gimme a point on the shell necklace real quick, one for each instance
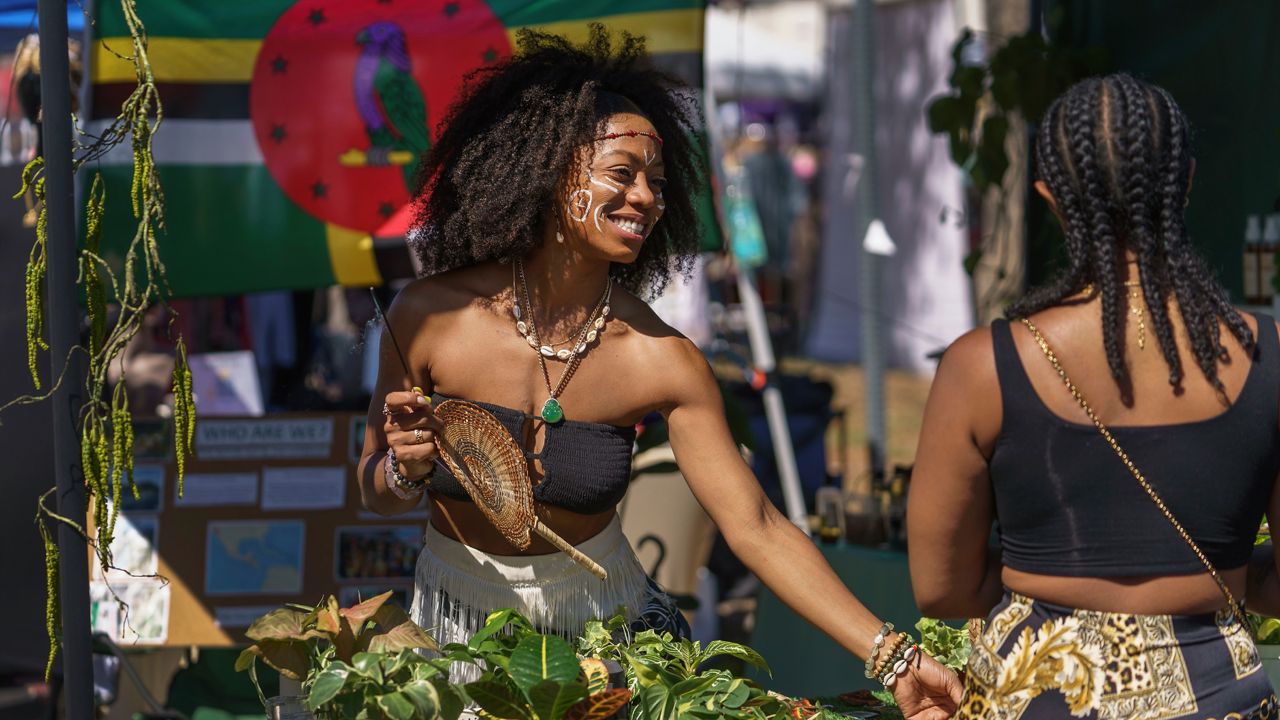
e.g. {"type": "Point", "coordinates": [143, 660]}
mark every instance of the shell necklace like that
{"type": "Point", "coordinates": [552, 412]}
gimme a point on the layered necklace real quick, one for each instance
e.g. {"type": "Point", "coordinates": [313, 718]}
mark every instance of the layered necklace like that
{"type": "Point", "coordinates": [578, 342]}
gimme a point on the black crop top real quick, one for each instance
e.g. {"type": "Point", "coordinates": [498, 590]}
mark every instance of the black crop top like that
{"type": "Point", "coordinates": [1066, 505]}
{"type": "Point", "coordinates": [586, 466]}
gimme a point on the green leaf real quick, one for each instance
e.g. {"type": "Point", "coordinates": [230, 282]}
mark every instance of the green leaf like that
{"type": "Point", "coordinates": [543, 657]}
{"type": "Point", "coordinates": [946, 115]}
{"type": "Point", "coordinates": [369, 665]}
{"type": "Point", "coordinates": [737, 693]}
{"type": "Point", "coordinates": [281, 624]}
{"type": "Point", "coordinates": [396, 706]}
{"type": "Point", "coordinates": [497, 622]}
{"type": "Point", "coordinates": [451, 702]}
{"type": "Point", "coordinates": [551, 700]}
{"type": "Point", "coordinates": [716, 648]}
{"type": "Point", "coordinates": [693, 686]}
{"type": "Point", "coordinates": [328, 684]}
{"type": "Point", "coordinates": [289, 657]}
{"type": "Point", "coordinates": [423, 697]}
{"type": "Point", "coordinates": [246, 658]}
{"type": "Point", "coordinates": [648, 672]}
{"type": "Point", "coordinates": [657, 703]}
{"type": "Point", "coordinates": [497, 700]}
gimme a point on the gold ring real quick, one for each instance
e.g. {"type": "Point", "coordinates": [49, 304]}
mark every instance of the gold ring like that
{"type": "Point", "coordinates": [417, 436]}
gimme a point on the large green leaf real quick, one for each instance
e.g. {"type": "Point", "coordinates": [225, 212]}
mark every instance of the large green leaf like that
{"type": "Point", "coordinates": [289, 657]}
{"type": "Point", "coordinates": [716, 648]}
{"type": "Point", "coordinates": [649, 671]}
{"type": "Point", "coordinates": [551, 700]}
{"type": "Point", "coordinates": [497, 700]}
{"type": "Point", "coordinates": [657, 703]}
{"type": "Point", "coordinates": [425, 699]}
{"type": "Point", "coordinates": [542, 657]}
{"type": "Point", "coordinates": [396, 706]}
{"type": "Point", "coordinates": [451, 703]}
{"type": "Point", "coordinates": [497, 621]}
{"type": "Point", "coordinates": [281, 624]}
{"type": "Point", "coordinates": [328, 684]}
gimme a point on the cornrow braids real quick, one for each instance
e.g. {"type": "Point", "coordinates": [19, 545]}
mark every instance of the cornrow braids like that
{"type": "Point", "coordinates": [1115, 153]}
{"type": "Point", "coordinates": [507, 146]}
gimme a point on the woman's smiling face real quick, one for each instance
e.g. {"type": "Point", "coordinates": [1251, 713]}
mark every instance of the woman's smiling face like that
{"type": "Point", "coordinates": [616, 199]}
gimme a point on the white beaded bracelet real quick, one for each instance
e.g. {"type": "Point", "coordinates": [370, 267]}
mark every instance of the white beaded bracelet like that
{"type": "Point", "coordinates": [399, 485]}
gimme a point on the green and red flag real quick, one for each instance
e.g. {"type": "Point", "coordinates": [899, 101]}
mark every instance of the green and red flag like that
{"type": "Point", "coordinates": [292, 128]}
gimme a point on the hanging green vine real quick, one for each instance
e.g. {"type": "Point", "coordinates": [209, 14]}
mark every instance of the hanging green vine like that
{"type": "Point", "coordinates": [131, 289]}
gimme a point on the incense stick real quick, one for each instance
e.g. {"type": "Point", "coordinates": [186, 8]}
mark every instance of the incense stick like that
{"type": "Point", "coordinates": [386, 327]}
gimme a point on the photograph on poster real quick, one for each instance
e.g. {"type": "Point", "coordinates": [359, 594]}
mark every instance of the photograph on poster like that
{"type": "Point", "coordinates": [131, 612]}
{"type": "Point", "coordinates": [149, 479]}
{"type": "Point", "coordinates": [354, 594]}
{"type": "Point", "coordinates": [369, 552]}
{"type": "Point", "coordinates": [254, 557]}
{"type": "Point", "coordinates": [133, 548]}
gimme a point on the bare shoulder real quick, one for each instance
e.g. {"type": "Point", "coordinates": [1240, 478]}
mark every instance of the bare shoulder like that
{"type": "Point", "coordinates": [661, 353]}
{"type": "Point", "coordinates": [446, 291]}
{"type": "Point", "coordinates": [971, 358]}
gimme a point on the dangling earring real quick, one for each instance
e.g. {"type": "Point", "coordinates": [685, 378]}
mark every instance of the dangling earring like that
{"type": "Point", "coordinates": [559, 237]}
{"type": "Point", "coordinates": [1135, 309]}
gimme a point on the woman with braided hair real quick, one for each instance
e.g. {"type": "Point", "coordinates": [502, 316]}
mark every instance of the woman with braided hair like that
{"type": "Point", "coordinates": [1122, 432]}
{"type": "Point", "coordinates": [557, 194]}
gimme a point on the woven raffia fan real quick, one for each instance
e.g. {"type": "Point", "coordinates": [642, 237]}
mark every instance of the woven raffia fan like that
{"type": "Point", "coordinates": [490, 466]}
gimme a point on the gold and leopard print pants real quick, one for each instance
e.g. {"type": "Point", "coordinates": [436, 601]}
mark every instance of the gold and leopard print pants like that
{"type": "Point", "coordinates": [1037, 661]}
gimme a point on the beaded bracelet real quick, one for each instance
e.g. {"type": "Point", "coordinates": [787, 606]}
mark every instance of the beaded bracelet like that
{"type": "Point", "coordinates": [399, 485]}
{"type": "Point", "coordinates": [898, 663]}
{"type": "Point", "coordinates": [875, 648]}
{"type": "Point", "coordinates": [886, 659]}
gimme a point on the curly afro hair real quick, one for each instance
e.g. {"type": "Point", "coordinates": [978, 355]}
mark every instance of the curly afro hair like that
{"type": "Point", "coordinates": [1116, 154]}
{"type": "Point", "coordinates": [510, 142]}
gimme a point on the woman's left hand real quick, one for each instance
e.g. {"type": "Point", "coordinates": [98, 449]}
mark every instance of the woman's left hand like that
{"type": "Point", "coordinates": [928, 690]}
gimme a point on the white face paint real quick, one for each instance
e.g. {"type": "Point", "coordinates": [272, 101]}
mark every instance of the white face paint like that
{"type": "Point", "coordinates": [580, 202]}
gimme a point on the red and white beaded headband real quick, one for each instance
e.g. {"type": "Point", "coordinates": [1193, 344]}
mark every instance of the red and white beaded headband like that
{"type": "Point", "coordinates": [630, 133]}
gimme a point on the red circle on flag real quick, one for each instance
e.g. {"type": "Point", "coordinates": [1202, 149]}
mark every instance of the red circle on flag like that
{"type": "Point", "coordinates": [346, 96]}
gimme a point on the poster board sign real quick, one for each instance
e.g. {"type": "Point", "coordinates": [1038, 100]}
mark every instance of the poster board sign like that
{"type": "Point", "coordinates": [270, 513]}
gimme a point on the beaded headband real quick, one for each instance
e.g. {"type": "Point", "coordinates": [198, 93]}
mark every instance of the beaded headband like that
{"type": "Point", "coordinates": [630, 133]}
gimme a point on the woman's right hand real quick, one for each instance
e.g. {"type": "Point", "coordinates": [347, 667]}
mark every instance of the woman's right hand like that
{"type": "Point", "coordinates": [928, 690]}
{"type": "Point", "coordinates": [411, 429]}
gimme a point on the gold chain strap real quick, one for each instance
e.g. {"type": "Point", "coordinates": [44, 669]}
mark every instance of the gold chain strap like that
{"type": "Point", "coordinates": [1124, 457]}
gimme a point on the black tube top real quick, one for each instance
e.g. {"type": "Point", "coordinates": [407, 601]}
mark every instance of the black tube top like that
{"type": "Point", "coordinates": [1066, 505]}
{"type": "Point", "coordinates": [586, 466]}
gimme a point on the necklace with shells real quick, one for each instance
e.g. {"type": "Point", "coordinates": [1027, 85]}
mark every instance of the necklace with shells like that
{"type": "Point", "coordinates": [586, 336]}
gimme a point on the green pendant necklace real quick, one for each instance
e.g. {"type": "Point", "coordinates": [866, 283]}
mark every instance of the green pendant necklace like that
{"type": "Point", "coordinates": [591, 331]}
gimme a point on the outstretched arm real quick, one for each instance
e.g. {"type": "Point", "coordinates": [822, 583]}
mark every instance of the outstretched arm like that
{"type": "Point", "coordinates": [782, 556]}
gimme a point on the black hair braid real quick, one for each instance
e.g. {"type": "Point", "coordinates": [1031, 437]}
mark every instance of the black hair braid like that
{"type": "Point", "coordinates": [1116, 156]}
{"type": "Point", "coordinates": [1142, 141]}
{"type": "Point", "coordinates": [1074, 278]}
{"type": "Point", "coordinates": [507, 145]}
{"type": "Point", "coordinates": [1089, 133]}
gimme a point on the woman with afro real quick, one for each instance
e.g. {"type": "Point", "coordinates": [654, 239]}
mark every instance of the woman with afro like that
{"type": "Point", "coordinates": [556, 197]}
{"type": "Point", "coordinates": [1122, 429]}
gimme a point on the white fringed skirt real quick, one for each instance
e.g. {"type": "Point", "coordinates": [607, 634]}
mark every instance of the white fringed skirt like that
{"type": "Point", "coordinates": [457, 586]}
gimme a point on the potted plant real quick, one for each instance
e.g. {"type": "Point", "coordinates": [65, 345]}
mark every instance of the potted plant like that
{"type": "Point", "coordinates": [352, 662]}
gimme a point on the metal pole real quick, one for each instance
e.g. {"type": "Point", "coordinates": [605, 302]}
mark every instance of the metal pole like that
{"type": "Point", "coordinates": [870, 270]}
{"type": "Point", "coordinates": [63, 320]}
{"type": "Point", "coordinates": [774, 410]}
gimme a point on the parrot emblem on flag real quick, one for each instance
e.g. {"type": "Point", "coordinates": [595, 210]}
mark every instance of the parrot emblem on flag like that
{"type": "Point", "coordinates": [389, 101]}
